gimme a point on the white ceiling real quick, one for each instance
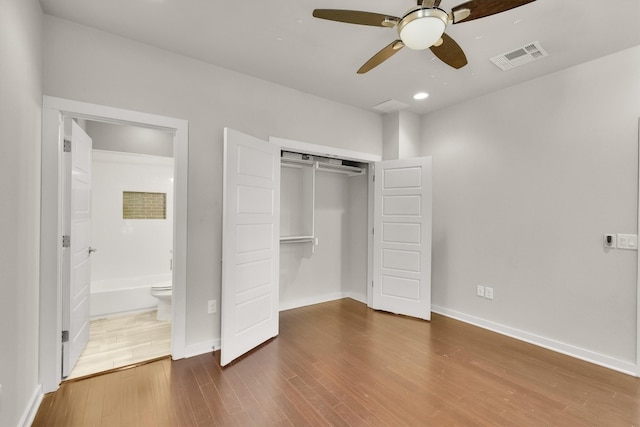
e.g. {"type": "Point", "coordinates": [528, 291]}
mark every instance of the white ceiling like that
{"type": "Point", "coordinates": [280, 41]}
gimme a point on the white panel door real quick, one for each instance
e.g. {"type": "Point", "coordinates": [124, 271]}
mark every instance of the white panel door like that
{"type": "Point", "coordinates": [402, 237]}
{"type": "Point", "coordinates": [75, 318]}
{"type": "Point", "coordinates": [250, 244]}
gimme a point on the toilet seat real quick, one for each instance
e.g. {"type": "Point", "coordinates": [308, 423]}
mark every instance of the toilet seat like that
{"type": "Point", "coordinates": [161, 286]}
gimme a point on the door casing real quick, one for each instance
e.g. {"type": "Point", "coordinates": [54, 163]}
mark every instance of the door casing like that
{"type": "Point", "coordinates": [50, 324]}
{"type": "Point", "coordinates": [370, 160]}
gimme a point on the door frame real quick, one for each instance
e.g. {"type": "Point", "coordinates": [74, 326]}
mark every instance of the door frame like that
{"type": "Point", "coordinates": [370, 160]}
{"type": "Point", "coordinates": [50, 322]}
{"type": "Point", "coordinates": [637, 372]}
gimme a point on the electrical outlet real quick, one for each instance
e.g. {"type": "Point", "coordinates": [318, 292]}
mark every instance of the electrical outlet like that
{"type": "Point", "coordinates": [211, 306]}
{"type": "Point", "coordinates": [480, 290]}
{"type": "Point", "coordinates": [488, 292]}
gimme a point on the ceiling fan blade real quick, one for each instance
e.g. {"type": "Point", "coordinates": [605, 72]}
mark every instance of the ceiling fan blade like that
{"type": "Point", "coordinates": [377, 59]}
{"type": "Point", "coordinates": [450, 52]}
{"type": "Point", "coordinates": [356, 17]}
{"type": "Point", "coordinates": [482, 8]}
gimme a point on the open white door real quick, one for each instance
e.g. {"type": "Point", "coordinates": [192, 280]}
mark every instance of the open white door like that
{"type": "Point", "coordinates": [250, 244]}
{"type": "Point", "coordinates": [402, 237]}
{"type": "Point", "coordinates": [77, 266]}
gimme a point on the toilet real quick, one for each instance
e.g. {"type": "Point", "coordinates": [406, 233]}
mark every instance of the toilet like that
{"type": "Point", "coordinates": [162, 291]}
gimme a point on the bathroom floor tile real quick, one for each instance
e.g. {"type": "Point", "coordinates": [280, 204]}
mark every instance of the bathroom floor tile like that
{"type": "Point", "coordinates": [120, 341]}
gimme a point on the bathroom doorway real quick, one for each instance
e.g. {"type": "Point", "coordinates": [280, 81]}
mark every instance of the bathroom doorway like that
{"type": "Point", "coordinates": [132, 243]}
{"type": "Point", "coordinates": [52, 254]}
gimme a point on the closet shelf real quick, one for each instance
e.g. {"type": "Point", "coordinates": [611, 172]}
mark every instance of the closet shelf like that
{"type": "Point", "coordinates": [322, 166]}
{"type": "Point", "coordinates": [330, 167]}
{"type": "Point", "coordinates": [297, 239]}
{"type": "Point", "coordinates": [295, 163]}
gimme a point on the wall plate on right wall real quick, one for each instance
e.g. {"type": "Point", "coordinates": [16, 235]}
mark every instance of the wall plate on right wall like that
{"type": "Point", "coordinates": [627, 241]}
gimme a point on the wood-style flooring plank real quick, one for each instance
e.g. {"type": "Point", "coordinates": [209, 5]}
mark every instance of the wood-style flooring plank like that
{"type": "Point", "coordinates": [95, 398]}
{"type": "Point", "coordinates": [342, 364]}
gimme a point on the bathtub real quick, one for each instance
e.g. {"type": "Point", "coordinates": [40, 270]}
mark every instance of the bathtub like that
{"type": "Point", "coordinates": [122, 295]}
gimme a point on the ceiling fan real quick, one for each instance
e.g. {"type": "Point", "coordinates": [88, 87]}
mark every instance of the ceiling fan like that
{"type": "Point", "coordinates": [422, 27]}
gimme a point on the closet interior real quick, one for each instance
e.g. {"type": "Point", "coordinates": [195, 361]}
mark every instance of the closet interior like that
{"type": "Point", "coordinates": [323, 227]}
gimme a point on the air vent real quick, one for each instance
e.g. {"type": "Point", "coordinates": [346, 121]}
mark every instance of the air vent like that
{"type": "Point", "coordinates": [520, 56]}
{"type": "Point", "coordinates": [390, 106]}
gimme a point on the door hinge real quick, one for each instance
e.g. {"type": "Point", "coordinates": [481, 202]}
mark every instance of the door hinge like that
{"type": "Point", "coordinates": [373, 231]}
{"type": "Point", "coordinates": [372, 283]}
{"type": "Point", "coordinates": [66, 146]}
{"type": "Point", "coordinates": [65, 336]}
{"type": "Point", "coordinates": [374, 177]}
{"type": "Point", "coordinates": [66, 241]}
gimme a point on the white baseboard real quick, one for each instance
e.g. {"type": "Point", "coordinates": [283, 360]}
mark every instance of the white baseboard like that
{"type": "Point", "coordinates": [358, 297]}
{"type": "Point", "coordinates": [208, 346]}
{"type": "Point", "coordinates": [32, 407]}
{"type": "Point", "coordinates": [202, 348]}
{"type": "Point", "coordinates": [550, 344]}
{"type": "Point", "coordinates": [303, 302]}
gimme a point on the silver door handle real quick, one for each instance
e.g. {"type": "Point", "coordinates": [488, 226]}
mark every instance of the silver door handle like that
{"type": "Point", "coordinates": [91, 250]}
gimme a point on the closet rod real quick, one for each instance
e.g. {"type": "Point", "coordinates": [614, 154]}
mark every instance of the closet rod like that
{"type": "Point", "coordinates": [297, 239]}
{"type": "Point", "coordinates": [349, 170]}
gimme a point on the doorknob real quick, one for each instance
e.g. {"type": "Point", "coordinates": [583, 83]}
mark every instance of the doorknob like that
{"type": "Point", "coordinates": [91, 250]}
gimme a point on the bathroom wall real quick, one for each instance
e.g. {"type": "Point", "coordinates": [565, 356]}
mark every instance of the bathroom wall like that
{"type": "Point", "coordinates": [129, 247]}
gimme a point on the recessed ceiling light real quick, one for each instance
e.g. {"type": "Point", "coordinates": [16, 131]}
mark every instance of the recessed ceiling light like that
{"type": "Point", "coordinates": [420, 95]}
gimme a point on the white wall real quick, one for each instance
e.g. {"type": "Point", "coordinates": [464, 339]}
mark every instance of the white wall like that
{"type": "Point", "coordinates": [526, 181]}
{"type": "Point", "coordinates": [355, 241]}
{"type": "Point", "coordinates": [409, 135]}
{"type": "Point", "coordinates": [391, 136]}
{"type": "Point", "coordinates": [337, 266]}
{"type": "Point", "coordinates": [400, 135]}
{"type": "Point", "coordinates": [129, 139]}
{"type": "Point", "coordinates": [117, 72]}
{"type": "Point", "coordinates": [129, 247]}
{"type": "Point", "coordinates": [20, 121]}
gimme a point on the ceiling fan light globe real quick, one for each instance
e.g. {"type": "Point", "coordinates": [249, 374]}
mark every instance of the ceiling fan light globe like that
{"type": "Point", "coordinates": [422, 28]}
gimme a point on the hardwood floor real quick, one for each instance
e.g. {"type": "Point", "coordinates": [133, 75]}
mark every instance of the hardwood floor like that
{"type": "Point", "coordinates": [340, 363]}
{"type": "Point", "coordinates": [121, 341]}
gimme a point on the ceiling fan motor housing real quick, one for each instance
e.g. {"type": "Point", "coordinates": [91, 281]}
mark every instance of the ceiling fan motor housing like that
{"type": "Point", "coordinates": [421, 28]}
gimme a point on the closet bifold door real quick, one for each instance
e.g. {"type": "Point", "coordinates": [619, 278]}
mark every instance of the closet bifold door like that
{"type": "Point", "coordinates": [250, 244]}
{"type": "Point", "coordinates": [402, 237]}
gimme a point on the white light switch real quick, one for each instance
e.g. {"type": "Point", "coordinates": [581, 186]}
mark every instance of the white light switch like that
{"type": "Point", "coordinates": [627, 241]}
